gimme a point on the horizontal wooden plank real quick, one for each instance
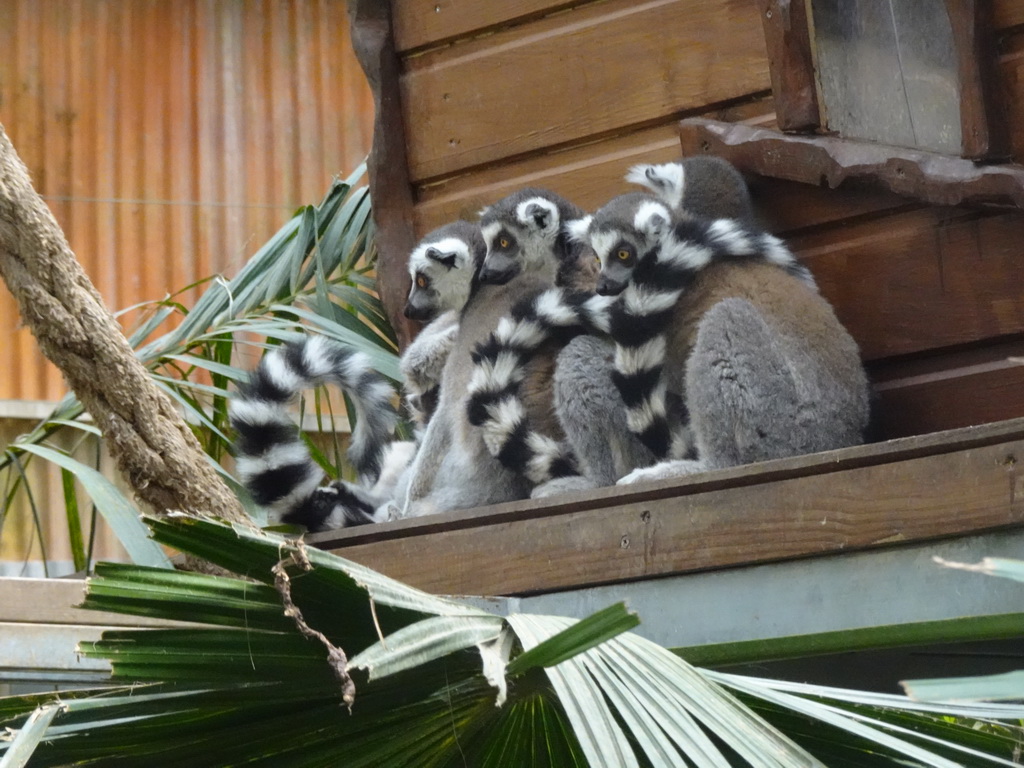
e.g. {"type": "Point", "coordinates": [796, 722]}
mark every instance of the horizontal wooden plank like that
{"type": "Point", "coordinates": [591, 175]}
{"type": "Point", "coordinates": [588, 175]}
{"type": "Point", "coordinates": [420, 23]}
{"type": "Point", "coordinates": [54, 601]}
{"type": "Point", "coordinates": [901, 491]}
{"type": "Point", "coordinates": [602, 68]}
{"type": "Point", "coordinates": [1007, 13]}
{"type": "Point", "coordinates": [923, 279]}
{"type": "Point", "coordinates": [789, 208]}
{"type": "Point", "coordinates": [947, 391]}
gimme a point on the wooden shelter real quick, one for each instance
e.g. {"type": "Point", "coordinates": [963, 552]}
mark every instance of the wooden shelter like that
{"type": "Point", "coordinates": [909, 219]}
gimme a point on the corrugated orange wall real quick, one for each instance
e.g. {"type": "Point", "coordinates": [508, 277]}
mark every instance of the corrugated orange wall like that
{"type": "Point", "coordinates": [172, 137]}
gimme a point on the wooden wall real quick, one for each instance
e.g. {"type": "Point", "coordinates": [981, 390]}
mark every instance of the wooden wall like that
{"type": "Point", "coordinates": [171, 139]}
{"type": "Point", "coordinates": [496, 96]}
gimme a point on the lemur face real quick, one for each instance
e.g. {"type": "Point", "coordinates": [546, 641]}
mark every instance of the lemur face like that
{"type": "Point", "coordinates": [520, 233]}
{"type": "Point", "coordinates": [441, 268]}
{"type": "Point", "coordinates": [621, 233]}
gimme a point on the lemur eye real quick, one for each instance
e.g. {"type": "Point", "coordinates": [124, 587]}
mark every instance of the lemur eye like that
{"type": "Point", "coordinates": [624, 254]}
{"type": "Point", "coordinates": [504, 242]}
{"type": "Point", "coordinates": [421, 281]}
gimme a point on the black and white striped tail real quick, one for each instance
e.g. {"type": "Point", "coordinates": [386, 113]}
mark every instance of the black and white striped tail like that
{"type": "Point", "coordinates": [495, 402]}
{"type": "Point", "coordinates": [272, 460]}
{"type": "Point", "coordinates": [636, 320]}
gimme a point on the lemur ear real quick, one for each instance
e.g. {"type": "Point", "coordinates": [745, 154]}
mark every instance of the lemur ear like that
{"type": "Point", "coordinates": [538, 213]}
{"type": "Point", "coordinates": [541, 216]}
{"type": "Point", "coordinates": [444, 259]}
{"type": "Point", "coordinates": [579, 229]}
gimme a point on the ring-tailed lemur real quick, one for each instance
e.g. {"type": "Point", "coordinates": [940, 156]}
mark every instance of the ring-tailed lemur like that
{"type": "Point", "coordinates": [704, 186]}
{"type": "Point", "coordinates": [683, 324]}
{"type": "Point", "coordinates": [441, 267]}
{"type": "Point", "coordinates": [527, 248]}
{"type": "Point", "coordinates": [586, 399]}
{"type": "Point", "coordinates": [273, 462]}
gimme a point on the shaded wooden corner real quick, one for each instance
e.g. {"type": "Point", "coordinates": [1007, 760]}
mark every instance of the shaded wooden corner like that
{"type": "Point", "coordinates": [831, 162]}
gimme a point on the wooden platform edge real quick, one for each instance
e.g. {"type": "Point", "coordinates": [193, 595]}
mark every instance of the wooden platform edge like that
{"type": "Point", "coordinates": [914, 489]}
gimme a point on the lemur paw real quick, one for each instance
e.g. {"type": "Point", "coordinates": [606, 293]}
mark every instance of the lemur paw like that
{"type": "Point", "coordinates": [663, 471]}
{"type": "Point", "coordinates": [562, 485]}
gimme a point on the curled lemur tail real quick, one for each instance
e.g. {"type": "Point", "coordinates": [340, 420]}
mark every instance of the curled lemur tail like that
{"type": "Point", "coordinates": [636, 320]}
{"type": "Point", "coordinates": [272, 460]}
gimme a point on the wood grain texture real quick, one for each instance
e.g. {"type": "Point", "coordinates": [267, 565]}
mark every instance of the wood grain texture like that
{"type": "Point", "coordinates": [947, 391]}
{"type": "Point", "coordinates": [370, 21]}
{"type": "Point", "coordinates": [589, 175]}
{"type": "Point", "coordinates": [822, 160]}
{"type": "Point", "coordinates": [982, 115]}
{"type": "Point", "coordinates": [788, 208]}
{"type": "Point", "coordinates": [921, 280]}
{"type": "Point", "coordinates": [693, 525]}
{"type": "Point", "coordinates": [1007, 13]}
{"type": "Point", "coordinates": [791, 63]}
{"type": "Point", "coordinates": [1011, 80]}
{"type": "Point", "coordinates": [420, 23]}
{"type": "Point", "coordinates": [602, 68]}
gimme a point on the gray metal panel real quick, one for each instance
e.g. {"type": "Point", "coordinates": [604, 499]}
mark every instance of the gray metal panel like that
{"type": "Point", "coordinates": [862, 590]}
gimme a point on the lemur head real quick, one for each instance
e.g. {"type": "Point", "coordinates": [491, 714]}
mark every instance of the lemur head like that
{"type": "Point", "coordinates": [526, 232]}
{"type": "Point", "coordinates": [441, 267]}
{"type": "Point", "coordinates": [621, 232]}
{"type": "Point", "coordinates": [704, 185]}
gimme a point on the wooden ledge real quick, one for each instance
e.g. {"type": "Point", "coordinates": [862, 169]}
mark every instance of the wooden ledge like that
{"type": "Point", "coordinates": [913, 489]}
{"type": "Point", "coordinates": [830, 162]}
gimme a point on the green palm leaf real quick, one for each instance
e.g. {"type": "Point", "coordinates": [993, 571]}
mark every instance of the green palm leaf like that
{"type": "Point", "coordinates": [293, 282]}
{"type": "Point", "coordinates": [245, 685]}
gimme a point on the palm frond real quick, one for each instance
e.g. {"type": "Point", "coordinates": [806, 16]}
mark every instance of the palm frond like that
{"type": "Point", "coordinates": [256, 679]}
{"type": "Point", "coordinates": [291, 283]}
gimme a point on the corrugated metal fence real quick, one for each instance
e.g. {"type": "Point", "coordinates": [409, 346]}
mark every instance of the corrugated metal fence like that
{"type": "Point", "coordinates": [171, 138]}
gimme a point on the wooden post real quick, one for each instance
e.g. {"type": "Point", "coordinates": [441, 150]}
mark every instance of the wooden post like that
{"type": "Point", "coordinates": [373, 41]}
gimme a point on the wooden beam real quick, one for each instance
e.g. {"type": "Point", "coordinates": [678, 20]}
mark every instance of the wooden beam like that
{"type": "Point", "coordinates": [826, 161]}
{"type": "Point", "coordinates": [870, 496]}
{"type": "Point", "coordinates": [791, 64]}
{"type": "Point", "coordinates": [982, 116]}
{"type": "Point", "coordinates": [372, 40]}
